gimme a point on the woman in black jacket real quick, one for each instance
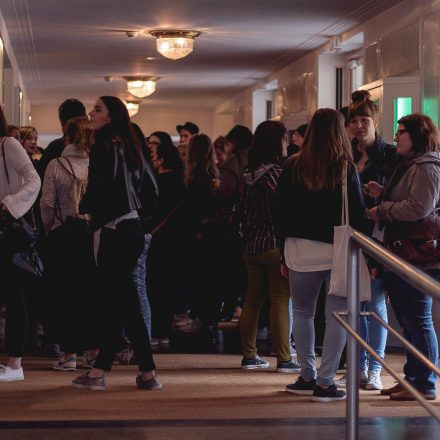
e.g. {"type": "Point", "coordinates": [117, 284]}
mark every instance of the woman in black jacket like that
{"type": "Point", "coordinates": [119, 197]}
{"type": "Point", "coordinates": [308, 208]}
{"type": "Point", "coordinates": [375, 161]}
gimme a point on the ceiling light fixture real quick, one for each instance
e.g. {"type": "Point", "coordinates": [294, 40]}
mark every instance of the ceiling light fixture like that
{"type": "Point", "coordinates": [174, 44]}
{"type": "Point", "coordinates": [132, 107]}
{"type": "Point", "coordinates": [141, 86]}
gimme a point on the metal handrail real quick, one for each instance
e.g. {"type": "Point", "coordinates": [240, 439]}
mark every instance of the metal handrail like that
{"type": "Point", "coordinates": [409, 273]}
{"type": "Point", "coordinates": [405, 384]}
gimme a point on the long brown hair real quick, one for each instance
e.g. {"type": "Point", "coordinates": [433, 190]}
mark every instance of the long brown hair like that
{"type": "Point", "coordinates": [326, 149]}
{"type": "Point", "coordinates": [200, 159]}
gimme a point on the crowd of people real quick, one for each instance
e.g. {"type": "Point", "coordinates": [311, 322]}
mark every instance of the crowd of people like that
{"type": "Point", "coordinates": [140, 237]}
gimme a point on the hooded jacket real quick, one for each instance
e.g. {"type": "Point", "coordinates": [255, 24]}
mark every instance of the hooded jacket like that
{"type": "Point", "coordinates": [413, 191]}
{"type": "Point", "coordinates": [256, 209]}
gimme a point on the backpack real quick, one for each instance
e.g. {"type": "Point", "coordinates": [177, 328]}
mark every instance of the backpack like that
{"type": "Point", "coordinates": [76, 190]}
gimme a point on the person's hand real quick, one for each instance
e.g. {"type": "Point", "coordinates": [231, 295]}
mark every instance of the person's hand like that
{"type": "Point", "coordinates": [373, 189]}
{"type": "Point", "coordinates": [373, 273]}
{"type": "Point", "coordinates": [372, 214]}
{"type": "Point", "coordinates": [284, 271]}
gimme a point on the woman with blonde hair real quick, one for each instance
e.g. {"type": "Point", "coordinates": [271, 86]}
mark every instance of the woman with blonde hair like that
{"type": "Point", "coordinates": [29, 138]}
{"type": "Point", "coordinates": [308, 208]}
{"type": "Point", "coordinates": [70, 252]}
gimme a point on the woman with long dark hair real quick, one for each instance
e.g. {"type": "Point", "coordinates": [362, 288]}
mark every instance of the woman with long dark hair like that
{"type": "Point", "coordinates": [166, 250]}
{"type": "Point", "coordinates": [119, 198]}
{"type": "Point", "coordinates": [261, 251]}
{"type": "Point", "coordinates": [19, 187]}
{"type": "Point", "coordinates": [308, 209]}
{"type": "Point", "coordinates": [199, 234]}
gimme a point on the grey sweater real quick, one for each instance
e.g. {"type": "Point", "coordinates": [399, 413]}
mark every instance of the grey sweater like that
{"type": "Point", "coordinates": [416, 195]}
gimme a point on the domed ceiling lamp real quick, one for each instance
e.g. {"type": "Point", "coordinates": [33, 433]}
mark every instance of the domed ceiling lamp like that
{"type": "Point", "coordinates": [132, 106]}
{"type": "Point", "coordinates": [174, 44]}
{"type": "Point", "coordinates": [141, 86]}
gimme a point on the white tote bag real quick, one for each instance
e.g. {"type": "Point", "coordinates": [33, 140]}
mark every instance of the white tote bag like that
{"type": "Point", "coordinates": [341, 238]}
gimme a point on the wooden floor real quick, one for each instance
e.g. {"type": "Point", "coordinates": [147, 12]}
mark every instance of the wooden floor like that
{"type": "Point", "coordinates": [203, 394]}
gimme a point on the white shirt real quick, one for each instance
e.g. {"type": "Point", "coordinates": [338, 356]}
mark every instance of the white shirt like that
{"type": "Point", "coordinates": [303, 255]}
{"type": "Point", "coordinates": [20, 194]}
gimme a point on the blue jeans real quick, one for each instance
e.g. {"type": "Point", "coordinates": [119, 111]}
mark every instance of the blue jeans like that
{"type": "Point", "coordinates": [140, 281]}
{"type": "Point", "coordinates": [304, 289]}
{"type": "Point", "coordinates": [370, 330]}
{"type": "Point", "coordinates": [413, 310]}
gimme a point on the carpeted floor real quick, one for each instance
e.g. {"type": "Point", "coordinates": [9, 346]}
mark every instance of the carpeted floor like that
{"type": "Point", "coordinates": [206, 386]}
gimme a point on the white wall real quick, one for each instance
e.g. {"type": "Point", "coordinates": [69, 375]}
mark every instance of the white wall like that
{"type": "Point", "coordinates": [12, 80]}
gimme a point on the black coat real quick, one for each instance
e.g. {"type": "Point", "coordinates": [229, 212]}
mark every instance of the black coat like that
{"type": "Point", "coordinates": [114, 188]}
{"type": "Point", "coordinates": [381, 163]}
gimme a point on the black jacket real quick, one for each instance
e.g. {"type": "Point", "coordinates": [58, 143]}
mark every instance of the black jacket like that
{"type": "Point", "coordinates": [52, 151]}
{"type": "Point", "coordinates": [114, 189]}
{"type": "Point", "coordinates": [381, 163]}
{"type": "Point", "coordinates": [313, 215]}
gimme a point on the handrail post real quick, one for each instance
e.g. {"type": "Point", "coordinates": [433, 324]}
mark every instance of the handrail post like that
{"type": "Point", "coordinates": [352, 403]}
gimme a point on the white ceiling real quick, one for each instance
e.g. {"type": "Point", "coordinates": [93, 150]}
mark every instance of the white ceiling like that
{"type": "Point", "coordinates": [64, 48]}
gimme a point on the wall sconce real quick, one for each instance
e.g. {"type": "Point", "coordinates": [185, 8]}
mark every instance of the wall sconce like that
{"type": "Point", "coordinates": [174, 44]}
{"type": "Point", "coordinates": [141, 86]}
{"type": "Point", "coordinates": [336, 44]}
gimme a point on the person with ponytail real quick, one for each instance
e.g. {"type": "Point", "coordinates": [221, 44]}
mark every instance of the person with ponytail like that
{"type": "Point", "coordinates": [120, 197]}
{"type": "Point", "coordinates": [375, 160]}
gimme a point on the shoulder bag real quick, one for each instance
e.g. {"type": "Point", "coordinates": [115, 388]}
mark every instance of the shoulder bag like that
{"type": "Point", "coordinates": [416, 242]}
{"type": "Point", "coordinates": [18, 237]}
{"type": "Point", "coordinates": [341, 239]}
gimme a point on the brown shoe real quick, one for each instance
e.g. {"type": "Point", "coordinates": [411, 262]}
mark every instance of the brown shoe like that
{"type": "Point", "coordinates": [388, 391]}
{"type": "Point", "coordinates": [405, 396]}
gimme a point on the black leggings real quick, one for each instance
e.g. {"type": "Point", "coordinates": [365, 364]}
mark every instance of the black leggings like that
{"type": "Point", "coordinates": [118, 253]}
{"type": "Point", "coordinates": [21, 294]}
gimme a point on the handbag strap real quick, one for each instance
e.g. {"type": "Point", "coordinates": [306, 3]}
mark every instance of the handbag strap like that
{"type": "Point", "coordinates": [345, 220]}
{"type": "Point", "coordinates": [167, 218]}
{"type": "Point", "coordinates": [4, 161]}
{"type": "Point", "coordinates": [71, 172]}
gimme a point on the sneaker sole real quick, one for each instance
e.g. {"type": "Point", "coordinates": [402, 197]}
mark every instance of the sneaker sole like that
{"type": "Point", "coordinates": [159, 387]}
{"type": "Point", "coordinates": [12, 379]}
{"type": "Point", "coordinates": [300, 392]}
{"type": "Point", "coordinates": [253, 367]}
{"type": "Point", "coordinates": [64, 368]}
{"type": "Point", "coordinates": [288, 370]}
{"type": "Point", "coordinates": [89, 387]}
{"type": "Point", "coordinates": [327, 399]}
{"type": "Point", "coordinates": [373, 387]}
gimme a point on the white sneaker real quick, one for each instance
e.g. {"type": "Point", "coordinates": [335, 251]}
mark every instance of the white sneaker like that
{"type": "Point", "coordinates": [9, 375]}
{"type": "Point", "coordinates": [374, 382]}
{"type": "Point", "coordinates": [342, 381]}
{"type": "Point", "coordinates": [363, 378]}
